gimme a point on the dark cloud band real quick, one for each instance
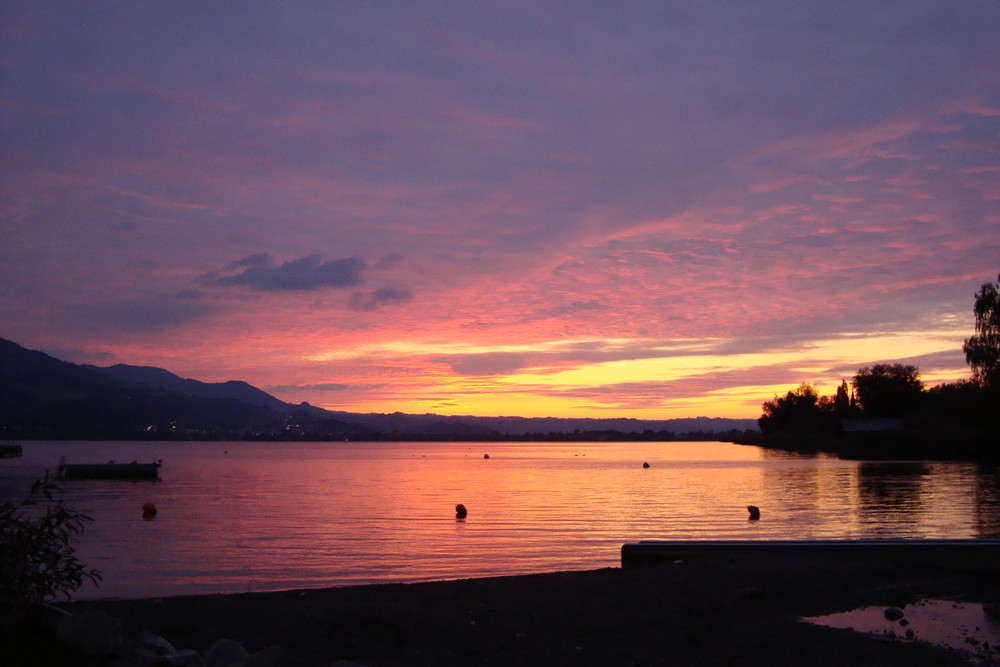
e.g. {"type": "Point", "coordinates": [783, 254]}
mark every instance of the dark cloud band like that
{"type": "Point", "coordinates": [305, 273]}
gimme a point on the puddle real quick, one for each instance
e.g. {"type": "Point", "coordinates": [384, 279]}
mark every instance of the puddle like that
{"type": "Point", "coordinates": [970, 627]}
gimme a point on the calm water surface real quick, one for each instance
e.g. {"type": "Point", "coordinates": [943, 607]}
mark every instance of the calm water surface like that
{"type": "Point", "coordinates": [235, 517]}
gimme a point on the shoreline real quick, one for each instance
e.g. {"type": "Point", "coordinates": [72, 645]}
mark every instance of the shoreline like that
{"type": "Point", "coordinates": [961, 445]}
{"type": "Point", "coordinates": [720, 609]}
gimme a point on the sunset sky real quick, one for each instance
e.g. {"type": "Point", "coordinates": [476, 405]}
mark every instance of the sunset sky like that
{"type": "Point", "coordinates": [642, 209]}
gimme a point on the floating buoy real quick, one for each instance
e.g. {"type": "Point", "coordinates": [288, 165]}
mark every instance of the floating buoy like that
{"type": "Point", "coordinates": [460, 511]}
{"type": "Point", "coordinates": [645, 464]}
{"type": "Point", "coordinates": [754, 512]}
{"type": "Point", "coordinates": [148, 510]}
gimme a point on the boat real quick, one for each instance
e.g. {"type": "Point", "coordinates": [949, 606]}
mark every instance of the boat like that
{"type": "Point", "coordinates": [111, 470]}
{"type": "Point", "coordinates": [10, 451]}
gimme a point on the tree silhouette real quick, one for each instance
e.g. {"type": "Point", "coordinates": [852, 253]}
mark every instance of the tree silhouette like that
{"type": "Point", "coordinates": [982, 350]}
{"type": "Point", "coordinates": [797, 411]}
{"type": "Point", "coordinates": [888, 390]}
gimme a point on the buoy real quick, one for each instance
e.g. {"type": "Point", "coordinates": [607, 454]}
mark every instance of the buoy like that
{"type": "Point", "coordinates": [754, 512]}
{"type": "Point", "coordinates": [148, 510]}
{"type": "Point", "coordinates": [645, 464]}
{"type": "Point", "coordinates": [460, 511]}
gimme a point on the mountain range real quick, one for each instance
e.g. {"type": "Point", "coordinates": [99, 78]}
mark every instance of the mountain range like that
{"type": "Point", "coordinates": [42, 397]}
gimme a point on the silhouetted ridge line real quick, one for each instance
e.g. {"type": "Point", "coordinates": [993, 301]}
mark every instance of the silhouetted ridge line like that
{"type": "Point", "coordinates": [46, 398]}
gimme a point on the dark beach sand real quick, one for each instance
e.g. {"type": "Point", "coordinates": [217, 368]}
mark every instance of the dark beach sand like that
{"type": "Point", "coordinates": [718, 610]}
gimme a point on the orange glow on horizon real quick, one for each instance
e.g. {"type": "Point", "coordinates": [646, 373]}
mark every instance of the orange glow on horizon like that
{"type": "Point", "coordinates": [686, 384]}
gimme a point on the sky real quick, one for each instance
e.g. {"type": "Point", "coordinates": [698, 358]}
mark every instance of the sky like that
{"type": "Point", "coordinates": [579, 209]}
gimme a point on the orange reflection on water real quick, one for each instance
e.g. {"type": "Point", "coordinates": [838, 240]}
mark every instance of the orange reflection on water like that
{"type": "Point", "coordinates": [272, 516]}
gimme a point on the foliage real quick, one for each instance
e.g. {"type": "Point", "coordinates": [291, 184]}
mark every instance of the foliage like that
{"type": "Point", "coordinates": [982, 350]}
{"type": "Point", "coordinates": [798, 411]}
{"type": "Point", "coordinates": [37, 559]}
{"type": "Point", "coordinates": [961, 405]}
{"type": "Point", "coordinates": [888, 390]}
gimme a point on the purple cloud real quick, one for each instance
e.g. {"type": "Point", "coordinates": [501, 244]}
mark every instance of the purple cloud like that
{"type": "Point", "coordinates": [378, 298]}
{"type": "Point", "coordinates": [305, 273]}
{"type": "Point", "coordinates": [759, 174]}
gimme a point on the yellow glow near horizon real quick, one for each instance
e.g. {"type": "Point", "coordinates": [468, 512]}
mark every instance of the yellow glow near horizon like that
{"type": "Point", "coordinates": [576, 389]}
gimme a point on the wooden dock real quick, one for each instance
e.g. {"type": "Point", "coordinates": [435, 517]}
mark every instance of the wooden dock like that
{"type": "Point", "coordinates": [121, 471]}
{"type": "Point", "coordinates": [971, 554]}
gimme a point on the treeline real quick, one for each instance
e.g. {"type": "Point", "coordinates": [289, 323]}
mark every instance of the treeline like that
{"type": "Point", "coordinates": [887, 412]}
{"type": "Point", "coordinates": [955, 421]}
{"type": "Point", "coordinates": [882, 397]}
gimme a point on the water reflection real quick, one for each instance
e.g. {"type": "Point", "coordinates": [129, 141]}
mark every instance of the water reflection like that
{"type": "Point", "coordinates": [891, 483]}
{"type": "Point", "coordinates": [987, 500]}
{"type": "Point", "coordinates": [320, 514]}
{"type": "Point", "coordinates": [891, 489]}
{"type": "Point", "coordinates": [972, 628]}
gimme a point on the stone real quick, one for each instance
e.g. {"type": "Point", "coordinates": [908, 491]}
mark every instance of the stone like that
{"type": "Point", "coordinates": [225, 653]}
{"type": "Point", "coordinates": [92, 633]}
{"type": "Point", "coordinates": [183, 658]}
{"type": "Point", "coordinates": [754, 512]}
{"type": "Point", "coordinates": [154, 643]}
{"type": "Point", "coordinates": [266, 658]}
{"type": "Point", "coordinates": [460, 511]}
{"type": "Point", "coordinates": [893, 613]}
{"type": "Point", "coordinates": [144, 657]}
{"type": "Point", "coordinates": [45, 617]}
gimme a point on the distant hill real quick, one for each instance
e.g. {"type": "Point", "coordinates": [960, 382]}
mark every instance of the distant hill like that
{"type": "Point", "coordinates": [157, 378]}
{"type": "Point", "coordinates": [42, 397]}
{"type": "Point", "coordinates": [522, 426]}
{"type": "Point", "coordinates": [624, 425]}
{"type": "Point", "coordinates": [46, 398]}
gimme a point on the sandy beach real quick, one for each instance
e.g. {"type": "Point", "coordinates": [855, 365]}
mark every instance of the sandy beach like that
{"type": "Point", "coordinates": [719, 610]}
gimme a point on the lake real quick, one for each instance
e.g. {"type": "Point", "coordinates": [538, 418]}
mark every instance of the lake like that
{"type": "Point", "coordinates": [236, 517]}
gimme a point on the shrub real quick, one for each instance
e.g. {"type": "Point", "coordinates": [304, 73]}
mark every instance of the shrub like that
{"type": "Point", "coordinates": [37, 538]}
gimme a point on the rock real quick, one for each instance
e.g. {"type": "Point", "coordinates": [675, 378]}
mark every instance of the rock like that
{"type": "Point", "coordinates": [225, 653]}
{"type": "Point", "coordinates": [645, 464]}
{"type": "Point", "coordinates": [486, 456]}
{"type": "Point", "coordinates": [265, 658]}
{"type": "Point", "coordinates": [183, 658]}
{"type": "Point", "coordinates": [92, 633]}
{"type": "Point", "coordinates": [460, 511]}
{"type": "Point", "coordinates": [754, 512]}
{"type": "Point", "coordinates": [44, 617]}
{"type": "Point", "coordinates": [143, 657]}
{"type": "Point", "coordinates": [893, 613]}
{"type": "Point", "coordinates": [154, 643]}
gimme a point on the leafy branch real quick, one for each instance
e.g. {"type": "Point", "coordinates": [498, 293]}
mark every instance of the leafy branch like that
{"type": "Point", "coordinates": [37, 539]}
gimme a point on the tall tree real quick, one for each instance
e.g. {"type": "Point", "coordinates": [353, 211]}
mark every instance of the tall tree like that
{"type": "Point", "coordinates": [843, 402]}
{"type": "Point", "coordinates": [888, 390]}
{"type": "Point", "coordinates": [982, 350]}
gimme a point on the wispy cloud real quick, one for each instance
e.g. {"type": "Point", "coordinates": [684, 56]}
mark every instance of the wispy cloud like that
{"type": "Point", "coordinates": [520, 192]}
